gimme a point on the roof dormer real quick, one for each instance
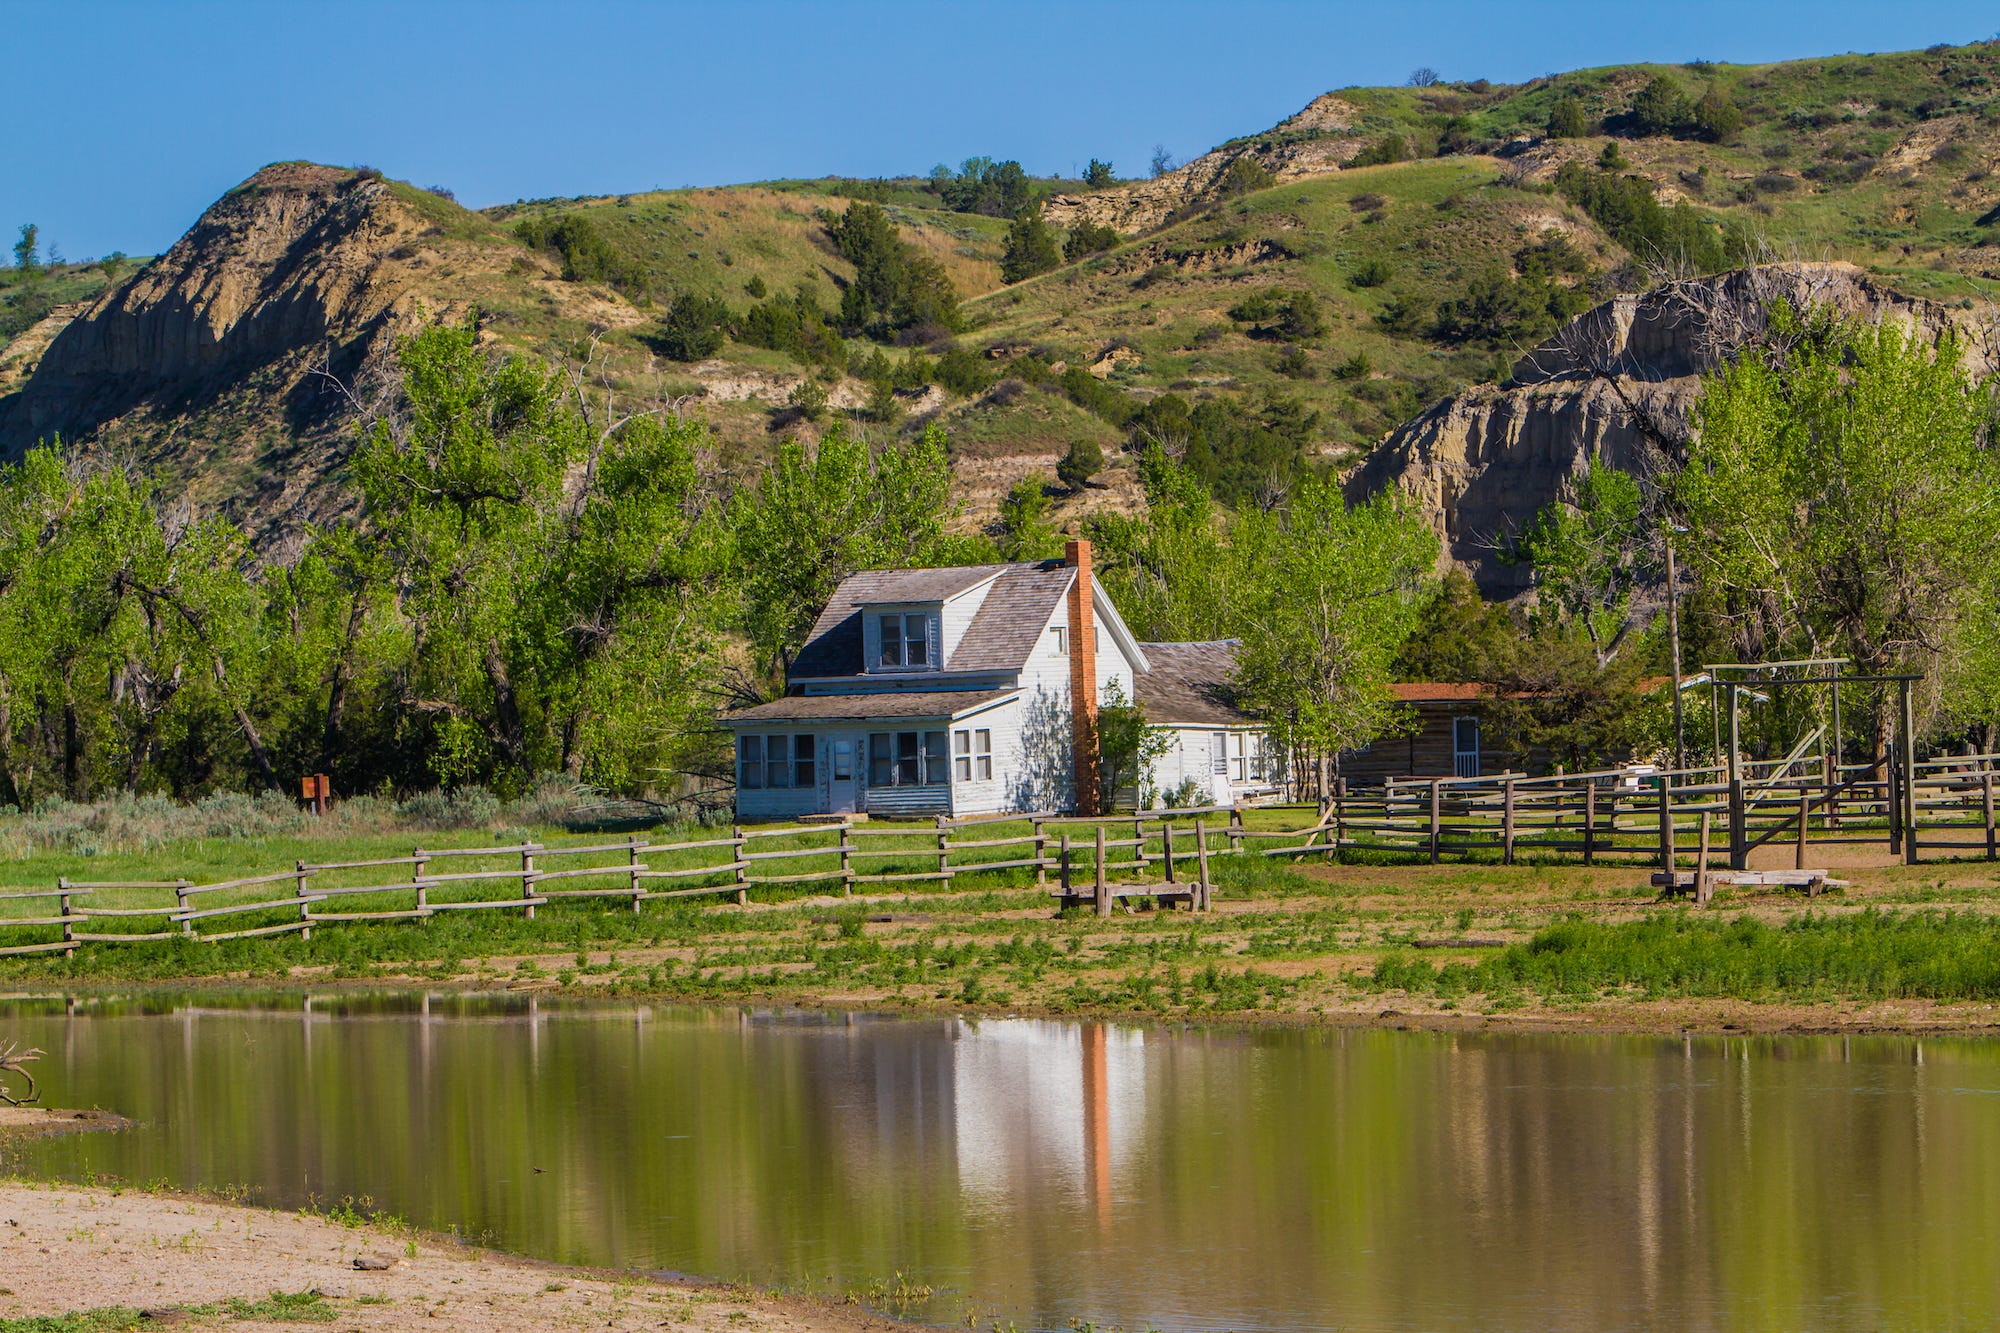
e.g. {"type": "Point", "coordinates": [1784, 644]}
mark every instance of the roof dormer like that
{"type": "Point", "coordinates": [901, 638]}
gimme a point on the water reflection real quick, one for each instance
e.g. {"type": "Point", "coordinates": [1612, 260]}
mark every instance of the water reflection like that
{"type": "Point", "coordinates": [1196, 1179]}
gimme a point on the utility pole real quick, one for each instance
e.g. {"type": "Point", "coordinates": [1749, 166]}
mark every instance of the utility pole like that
{"type": "Point", "coordinates": [1674, 644]}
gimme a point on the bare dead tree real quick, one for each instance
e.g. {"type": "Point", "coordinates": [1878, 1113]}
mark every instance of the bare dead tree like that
{"type": "Point", "coordinates": [14, 1062]}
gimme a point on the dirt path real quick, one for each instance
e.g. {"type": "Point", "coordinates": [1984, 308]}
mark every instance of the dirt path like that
{"type": "Point", "coordinates": [67, 1250]}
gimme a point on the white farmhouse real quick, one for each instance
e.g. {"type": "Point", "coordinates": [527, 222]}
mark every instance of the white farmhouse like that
{"type": "Point", "coordinates": [949, 692]}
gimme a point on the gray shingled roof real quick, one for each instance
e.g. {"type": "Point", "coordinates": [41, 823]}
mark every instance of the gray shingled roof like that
{"type": "Point", "coordinates": [1190, 683]}
{"type": "Point", "coordinates": [864, 707]}
{"type": "Point", "coordinates": [999, 638]}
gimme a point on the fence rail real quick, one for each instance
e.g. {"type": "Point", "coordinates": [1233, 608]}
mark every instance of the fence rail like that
{"type": "Point", "coordinates": [1665, 820]}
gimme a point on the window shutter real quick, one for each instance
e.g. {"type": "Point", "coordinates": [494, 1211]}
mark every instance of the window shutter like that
{"type": "Point", "coordinates": [871, 642]}
{"type": "Point", "coordinates": [934, 631]}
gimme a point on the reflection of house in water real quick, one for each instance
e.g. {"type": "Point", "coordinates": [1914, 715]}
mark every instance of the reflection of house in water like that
{"type": "Point", "coordinates": [1052, 1106]}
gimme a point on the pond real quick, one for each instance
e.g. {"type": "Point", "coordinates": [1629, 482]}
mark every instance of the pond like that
{"type": "Point", "coordinates": [1044, 1172]}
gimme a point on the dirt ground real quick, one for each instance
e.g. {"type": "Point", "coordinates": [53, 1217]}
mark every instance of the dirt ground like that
{"type": "Point", "coordinates": [176, 1261]}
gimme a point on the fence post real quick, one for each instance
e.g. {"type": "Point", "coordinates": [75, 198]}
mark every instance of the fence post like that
{"type": "Point", "coordinates": [1702, 891]}
{"type": "Point", "coordinates": [418, 860]}
{"type": "Point", "coordinates": [1666, 826]}
{"type": "Point", "coordinates": [1507, 824]}
{"type": "Point", "coordinates": [181, 899]}
{"type": "Point", "coordinates": [738, 846]}
{"type": "Point", "coordinates": [1434, 821]}
{"type": "Point", "coordinates": [1986, 799]}
{"type": "Point", "coordinates": [1909, 775]}
{"type": "Point", "coordinates": [1235, 828]}
{"type": "Point", "coordinates": [1805, 817]}
{"type": "Point", "coordinates": [1063, 873]}
{"type": "Point", "coordinates": [305, 908]}
{"type": "Point", "coordinates": [1139, 857]}
{"type": "Point", "coordinates": [1103, 887]}
{"type": "Point", "coordinates": [527, 881]}
{"type": "Point", "coordinates": [1201, 862]}
{"type": "Point", "coordinates": [1589, 820]}
{"type": "Point", "coordinates": [632, 845]}
{"type": "Point", "coordinates": [1339, 816]}
{"type": "Point", "coordinates": [944, 850]}
{"type": "Point", "coordinates": [1739, 854]}
{"type": "Point", "coordinates": [1041, 855]}
{"type": "Point", "coordinates": [846, 862]}
{"type": "Point", "coordinates": [68, 929]}
{"type": "Point", "coordinates": [1167, 848]}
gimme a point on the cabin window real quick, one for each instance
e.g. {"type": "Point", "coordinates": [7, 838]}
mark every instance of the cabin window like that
{"type": "Point", "coordinates": [1237, 772]}
{"type": "Point", "coordinates": [972, 754]}
{"type": "Point", "coordinates": [907, 759]}
{"type": "Point", "coordinates": [775, 761]}
{"type": "Point", "coordinates": [1062, 639]}
{"type": "Point", "coordinates": [904, 641]}
{"type": "Point", "coordinates": [843, 761]}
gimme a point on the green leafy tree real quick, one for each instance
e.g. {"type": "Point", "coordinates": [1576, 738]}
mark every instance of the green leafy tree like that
{"type": "Point", "coordinates": [1460, 637]}
{"type": "Point", "coordinates": [1171, 571]}
{"type": "Point", "coordinates": [1025, 530]}
{"type": "Point", "coordinates": [27, 250]}
{"type": "Point", "coordinates": [692, 330]}
{"type": "Point", "coordinates": [1591, 553]}
{"type": "Point", "coordinates": [1661, 107]}
{"type": "Point", "coordinates": [814, 517]}
{"type": "Point", "coordinates": [1378, 152]}
{"type": "Point", "coordinates": [1032, 248]}
{"type": "Point", "coordinates": [1083, 460]}
{"type": "Point", "coordinates": [1842, 498]}
{"type": "Point", "coordinates": [1244, 175]}
{"type": "Point", "coordinates": [1098, 175]}
{"type": "Point", "coordinates": [1567, 119]}
{"type": "Point", "coordinates": [1715, 117]}
{"type": "Point", "coordinates": [1128, 745]}
{"type": "Point", "coordinates": [1338, 590]}
{"type": "Point", "coordinates": [1087, 238]}
{"type": "Point", "coordinates": [557, 567]}
{"type": "Point", "coordinates": [896, 286]}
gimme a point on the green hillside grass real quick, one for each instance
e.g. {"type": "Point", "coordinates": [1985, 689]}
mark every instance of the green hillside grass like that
{"type": "Point", "coordinates": [1883, 160]}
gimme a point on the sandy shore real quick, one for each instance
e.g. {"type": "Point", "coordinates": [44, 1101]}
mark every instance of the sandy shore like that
{"type": "Point", "coordinates": [66, 1250]}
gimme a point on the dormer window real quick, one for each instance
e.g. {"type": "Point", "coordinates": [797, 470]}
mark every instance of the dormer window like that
{"type": "Point", "coordinates": [904, 643]}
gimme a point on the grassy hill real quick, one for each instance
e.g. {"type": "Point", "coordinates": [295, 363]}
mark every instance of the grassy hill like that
{"type": "Point", "coordinates": [1306, 298]}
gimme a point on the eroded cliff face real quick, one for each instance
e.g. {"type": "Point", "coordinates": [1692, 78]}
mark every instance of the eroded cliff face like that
{"type": "Point", "coordinates": [202, 367]}
{"type": "Point", "coordinates": [1615, 387]}
{"type": "Point", "coordinates": [1312, 143]}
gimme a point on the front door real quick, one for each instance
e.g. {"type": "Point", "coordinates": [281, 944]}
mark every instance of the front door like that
{"type": "Point", "coordinates": [843, 763]}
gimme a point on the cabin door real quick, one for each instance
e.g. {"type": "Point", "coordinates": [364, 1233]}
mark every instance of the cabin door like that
{"type": "Point", "coordinates": [843, 761]}
{"type": "Point", "coordinates": [1465, 747]}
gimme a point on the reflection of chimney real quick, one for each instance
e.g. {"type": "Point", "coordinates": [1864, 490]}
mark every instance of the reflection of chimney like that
{"type": "Point", "coordinates": [1082, 678]}
{"type": "Point", "coordinates": [1097, 1122]}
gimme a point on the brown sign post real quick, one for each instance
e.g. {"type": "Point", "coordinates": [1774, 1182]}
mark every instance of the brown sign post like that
{"type": "Point", "coordinates": [317, 788]}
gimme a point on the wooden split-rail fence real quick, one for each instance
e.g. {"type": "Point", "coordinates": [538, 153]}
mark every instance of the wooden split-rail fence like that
{"type": "Point", "coordinates": [1690, 818]}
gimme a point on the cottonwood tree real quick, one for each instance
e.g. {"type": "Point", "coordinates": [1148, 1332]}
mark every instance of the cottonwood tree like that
{"type": "Point", "coordinates": [557, 565]}
{"type": "Point", "coordinates": [1172, 571]}
{"type": "Point", "coordinates": [1339, 589]}
{"type": "Point", "coordinates": [1842, 498]}
{"type": "Point", "coordinates": [817, 515]}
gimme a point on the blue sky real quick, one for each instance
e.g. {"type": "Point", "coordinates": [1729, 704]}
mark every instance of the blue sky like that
{"type": "Point", "coordinates": [129, 118]}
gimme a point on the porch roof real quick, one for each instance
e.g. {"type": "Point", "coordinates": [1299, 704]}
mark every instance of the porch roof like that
{"type": "Point", "coordinates": [907, 705]}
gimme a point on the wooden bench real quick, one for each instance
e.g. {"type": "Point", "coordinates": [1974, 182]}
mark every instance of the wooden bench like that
{"type": "Point", "coordinates": [1702, 883]}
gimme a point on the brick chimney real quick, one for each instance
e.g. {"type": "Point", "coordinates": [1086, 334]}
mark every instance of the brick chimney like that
{"type": "Point", "coordinates": [1082, 678]}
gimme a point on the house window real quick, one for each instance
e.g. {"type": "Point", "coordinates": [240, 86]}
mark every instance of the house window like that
{"type": "Point", "coordinates": [1465, 747]}
{"type": "Point", "coordinates": [1219, 752]}
{"type": "Point", "coordinates": [904, 643]}
{"type": "Point", "coordinates": [907, 759]}
{"type": "Point", "coordinates": [775, 761]}
{"type": "Point", "coordinates": [843, 761]}
{"type": "Point", "coordinates": [972, 754]}
{"type": "Point", "coordinates": [1062, 639]}
{"type": "Point", "coordinates": [1236, 759]}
